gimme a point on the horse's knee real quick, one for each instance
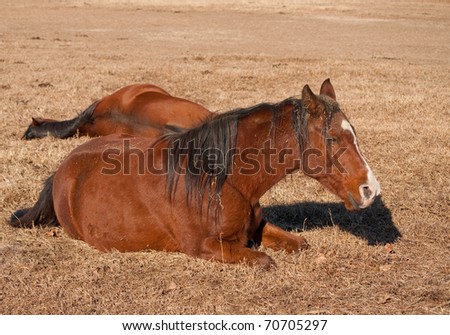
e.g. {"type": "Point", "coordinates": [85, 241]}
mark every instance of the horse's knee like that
{"type": "Point", "coordinates": [224, 251]}
{"type": "Point", "coordinates": [276, 238]}
{"type": "Point", "coordinates": [295, 244]}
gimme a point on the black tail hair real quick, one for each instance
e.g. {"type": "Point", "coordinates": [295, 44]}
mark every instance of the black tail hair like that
{"type": "Point", "coordinates": [41, 214]}
{"type": "Point", "coordinates": [61, 129]}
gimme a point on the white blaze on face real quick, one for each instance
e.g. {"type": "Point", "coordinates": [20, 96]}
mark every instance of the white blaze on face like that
{"type": "Point", "coordinates": [372, 182]}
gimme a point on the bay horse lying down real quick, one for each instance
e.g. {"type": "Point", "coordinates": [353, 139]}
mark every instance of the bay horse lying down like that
{"type": "Point", "coordinates": [198, 191]}
{"type": "Point", "coordinates": [142, 110]}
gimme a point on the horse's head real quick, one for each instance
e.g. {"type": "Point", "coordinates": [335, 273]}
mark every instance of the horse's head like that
{"type": "Point", "coordinates": [331, 152]}
{"type": "Point", "coordinates": [36, 129]}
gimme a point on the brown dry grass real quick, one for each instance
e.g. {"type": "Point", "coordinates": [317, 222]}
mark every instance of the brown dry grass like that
{"type": "Point", "coordinates": [390, 66]}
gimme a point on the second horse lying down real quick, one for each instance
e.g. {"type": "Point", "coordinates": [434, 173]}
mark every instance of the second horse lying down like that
{"type": "Point", "coordinates": [142, 110]}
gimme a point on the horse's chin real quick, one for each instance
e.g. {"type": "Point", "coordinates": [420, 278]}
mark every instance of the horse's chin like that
{"type": "Point", "coordinates": [351, 204]}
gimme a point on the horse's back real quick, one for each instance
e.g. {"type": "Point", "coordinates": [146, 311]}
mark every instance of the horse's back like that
{"type": "Point", "coordinates": [131, 91]}
{"type": "Point", "coordinates": [139, 109]}
{"type": "Point", "coordinates": [162, 110]}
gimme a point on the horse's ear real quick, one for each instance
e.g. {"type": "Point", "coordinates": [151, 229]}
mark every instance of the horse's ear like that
{"type": "Point", "coordinates": [309, 100]}
{"type": "Point", "coordinates": [328, 89]}
{"type": "Point", "coordinates": [36, 121]}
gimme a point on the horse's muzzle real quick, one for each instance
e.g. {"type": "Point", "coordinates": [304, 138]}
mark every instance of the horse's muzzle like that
{"type": "Point", "coordinates": [367, 192]}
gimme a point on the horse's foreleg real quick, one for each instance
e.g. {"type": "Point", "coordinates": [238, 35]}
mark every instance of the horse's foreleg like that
{"type": "Point", "coordinates": [215, 248]}
{"type": "Point", "coordinates": [276, 238]}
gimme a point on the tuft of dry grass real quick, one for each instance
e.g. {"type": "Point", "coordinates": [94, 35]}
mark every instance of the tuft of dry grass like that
{"type": "Point", "coordinates": [389, 64]}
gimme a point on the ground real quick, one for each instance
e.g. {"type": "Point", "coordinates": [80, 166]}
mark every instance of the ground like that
{"type": "Point", "coordinates": [389, 63]}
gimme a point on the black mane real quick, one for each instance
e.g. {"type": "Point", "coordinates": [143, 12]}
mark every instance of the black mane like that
{"type": "Point", "coordinates": [204, 154]}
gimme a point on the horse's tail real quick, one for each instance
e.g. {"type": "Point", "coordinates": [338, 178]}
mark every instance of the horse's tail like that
{"type": "Point", "coordinates": [40, 128]}
{"type": "Point", "coordinates": [42, 213]}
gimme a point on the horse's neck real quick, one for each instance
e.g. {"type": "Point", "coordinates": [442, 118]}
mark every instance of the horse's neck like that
{"type": "Point", "coordinates": [266, 153]}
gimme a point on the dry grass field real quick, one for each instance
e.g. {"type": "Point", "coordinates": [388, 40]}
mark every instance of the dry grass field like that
{"type": "Point", "coordinates": [390, 65]}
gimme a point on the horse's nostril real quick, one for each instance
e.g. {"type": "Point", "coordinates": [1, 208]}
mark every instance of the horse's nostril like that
{"type": "Point", "coordinates": [365, 191]}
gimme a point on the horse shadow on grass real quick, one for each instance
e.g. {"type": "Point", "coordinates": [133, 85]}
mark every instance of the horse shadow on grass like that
{"type": "Point", "coordinates": [373, 224]}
